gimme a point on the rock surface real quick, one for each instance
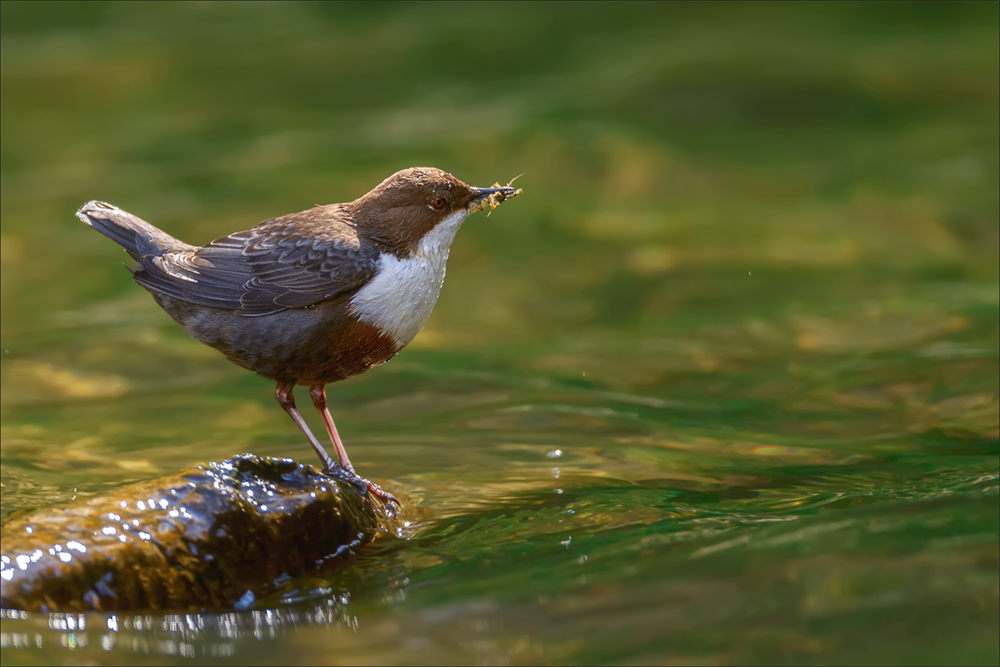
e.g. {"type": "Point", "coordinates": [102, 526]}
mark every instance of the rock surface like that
{"type": "Point", "coordinates": [216, 536]}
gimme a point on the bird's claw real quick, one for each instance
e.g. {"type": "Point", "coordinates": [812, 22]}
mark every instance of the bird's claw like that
{"type": "Point", "coordinates": [374, 489]}
{"type": "Point", "coordinates": [389, 500]}
{"type": "Point", "coordinates": [384, 496]}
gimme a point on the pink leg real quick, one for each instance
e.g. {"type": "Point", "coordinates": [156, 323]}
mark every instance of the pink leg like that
{"type": "Point", "coordinates": [318, 394]}
{"type": "Point", "coordinates": [284, 395]}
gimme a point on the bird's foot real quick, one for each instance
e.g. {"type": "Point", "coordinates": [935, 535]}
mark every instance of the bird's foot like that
{"type": "Point", "coordinates": [384, 496]}
{"type": "Point", "coordinates": [374, 489]}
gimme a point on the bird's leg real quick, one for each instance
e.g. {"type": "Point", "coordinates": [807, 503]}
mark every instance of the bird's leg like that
{"type": "Point", "coordinates": [284, 395]}
{"type": "Point", "coordinates": [318, 394]}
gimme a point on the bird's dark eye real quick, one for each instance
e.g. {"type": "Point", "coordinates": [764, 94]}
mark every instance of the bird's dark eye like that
{"type": "Point", "coordinates": [438, 203]}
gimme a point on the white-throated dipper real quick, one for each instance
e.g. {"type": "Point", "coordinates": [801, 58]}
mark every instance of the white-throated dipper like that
{"type": "Point", "coordinates": [313, 297]}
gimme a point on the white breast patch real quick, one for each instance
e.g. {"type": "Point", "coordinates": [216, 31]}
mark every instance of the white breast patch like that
{"type": "Point", "coordinates": [400, 297]}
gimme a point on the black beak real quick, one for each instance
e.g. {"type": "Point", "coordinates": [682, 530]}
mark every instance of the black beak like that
{"type": "Point", "coordinates": [506, 191]}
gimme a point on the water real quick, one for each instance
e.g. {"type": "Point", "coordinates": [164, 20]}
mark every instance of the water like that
{"type": "Point", "coordinates": [721, 386]}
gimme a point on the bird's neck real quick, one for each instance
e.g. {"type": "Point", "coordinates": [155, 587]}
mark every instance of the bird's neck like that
{"type": "Point", "coordinates": [399, 298]}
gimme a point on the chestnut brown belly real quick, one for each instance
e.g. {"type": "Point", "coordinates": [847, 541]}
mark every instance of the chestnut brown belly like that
{"type": "Point", "coordinates": [307, 346]}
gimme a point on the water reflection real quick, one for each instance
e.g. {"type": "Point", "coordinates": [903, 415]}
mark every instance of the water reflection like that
{"type": "Point", "coordinates": [187, 635]}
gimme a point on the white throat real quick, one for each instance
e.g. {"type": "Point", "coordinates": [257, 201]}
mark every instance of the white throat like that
{"type": "Point", "coordinates": [399, 299]}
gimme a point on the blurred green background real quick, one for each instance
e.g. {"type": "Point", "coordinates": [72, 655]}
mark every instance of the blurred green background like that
{"type": "Point", "coordinates": [721, 386]}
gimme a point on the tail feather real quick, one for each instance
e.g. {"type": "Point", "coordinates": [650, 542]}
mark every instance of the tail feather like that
{"type": "Point", "coordinates": [138, 237]}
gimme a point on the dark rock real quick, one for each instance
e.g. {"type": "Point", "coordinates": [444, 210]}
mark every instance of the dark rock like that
{"type": "Point", "coordinates": [214, 537]}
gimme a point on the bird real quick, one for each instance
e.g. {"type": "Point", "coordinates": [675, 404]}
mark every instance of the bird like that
{"type": "Point", "coordinates": [313, 297]}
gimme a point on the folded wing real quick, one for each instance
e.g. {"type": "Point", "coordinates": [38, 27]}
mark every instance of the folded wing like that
{"type": "Point", "coordinates": [290, 262]}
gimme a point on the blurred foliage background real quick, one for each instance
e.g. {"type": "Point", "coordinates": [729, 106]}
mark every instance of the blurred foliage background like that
{"type": "Point", "coordinates": [657, 140]}
{"type": "Point", "coordinates": [756, 258]}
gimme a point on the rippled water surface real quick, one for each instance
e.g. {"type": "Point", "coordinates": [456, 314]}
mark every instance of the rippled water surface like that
{"type": "Point", "coordinates": [721, 386]}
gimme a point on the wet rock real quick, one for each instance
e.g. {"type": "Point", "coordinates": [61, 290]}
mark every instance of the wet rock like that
{"type": "Point", "coordinates": [214, 537]}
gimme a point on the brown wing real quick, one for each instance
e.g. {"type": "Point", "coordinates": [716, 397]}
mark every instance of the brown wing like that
{"type": "Point", "coordinates": [289, 262]}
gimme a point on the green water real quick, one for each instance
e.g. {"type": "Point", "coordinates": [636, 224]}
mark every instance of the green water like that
{"type": "Point", "coordinates": [721, 386]}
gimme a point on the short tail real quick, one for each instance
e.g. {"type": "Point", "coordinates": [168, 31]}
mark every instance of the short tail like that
{"type": "Point", "coordinates": [137, 236]}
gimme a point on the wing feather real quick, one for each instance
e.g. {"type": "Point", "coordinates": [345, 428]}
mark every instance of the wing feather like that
{"type": "Point", "coordinates": [290, 262]}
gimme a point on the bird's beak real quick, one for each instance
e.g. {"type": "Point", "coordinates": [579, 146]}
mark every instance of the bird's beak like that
{"type": "Point", "coordinates": [491, 196]}
{"type": "Point", "coordinates": [506, 191]}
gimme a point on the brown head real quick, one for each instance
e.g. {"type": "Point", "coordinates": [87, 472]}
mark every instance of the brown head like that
{"type": "Point", "coordinates": [403, 208]}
